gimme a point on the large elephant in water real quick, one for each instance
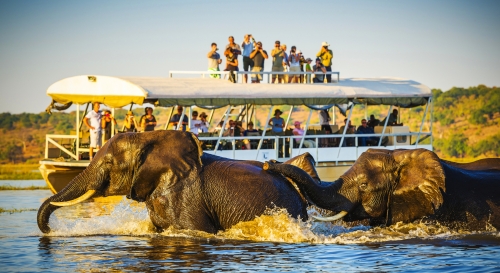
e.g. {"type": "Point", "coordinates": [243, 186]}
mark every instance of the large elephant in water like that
{"type": "Point", "coordinates": [387, 186]}
{"type": "Point", "coordinates": [182, 187]}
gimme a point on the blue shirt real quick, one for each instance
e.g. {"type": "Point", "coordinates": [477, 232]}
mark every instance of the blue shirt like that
{"type": "Point", "coordinates": [363, 130]}
{"type": "Point", "coordinates": [277, 123]}
{"type": "Point", "coordinates": [247, 49]}
{"type": "Point", "coordinates": [177, 117]}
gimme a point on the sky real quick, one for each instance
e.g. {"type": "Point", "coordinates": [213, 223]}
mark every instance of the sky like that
{"type": "Point", "coordinates": [441, 44]}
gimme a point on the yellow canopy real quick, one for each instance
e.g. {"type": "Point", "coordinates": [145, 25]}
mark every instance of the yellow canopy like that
{"type": "Point", "coordinates": [112, 91]}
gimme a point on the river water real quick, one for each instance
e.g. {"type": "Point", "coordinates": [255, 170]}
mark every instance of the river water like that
{"type": "Point", "coordinates": [115, 235]}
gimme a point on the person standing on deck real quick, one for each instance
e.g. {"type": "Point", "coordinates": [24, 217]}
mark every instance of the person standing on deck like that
{"type": "Point", "coordinates": [277, 123]}
{"type": "Point", "coordinates": [177, 117]}
{"type": "Point", "coordinates": [247, 50]}
{"type": "Point", "coordinates": [326, 56]}
{"type": "Point", "coordinates": [214, 60]}
{"type": "Point", "coordinates": [286, 64]}
{"type": "Point", "coordinates": [258, 56]}
{"type": "Point", "coordinates": [95, 118]}
{"type": "Point", "coordinates": [278, 56]}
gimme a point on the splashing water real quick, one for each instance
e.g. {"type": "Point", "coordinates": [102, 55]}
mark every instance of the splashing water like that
{"type": "Point", "coordinates": [125, 217]}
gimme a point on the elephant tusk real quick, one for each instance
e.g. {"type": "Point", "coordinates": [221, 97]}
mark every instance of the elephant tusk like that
{"type": "Point", "coordinates": [332, 218]}
{"type": "Point", "coordinates": [80, 199]}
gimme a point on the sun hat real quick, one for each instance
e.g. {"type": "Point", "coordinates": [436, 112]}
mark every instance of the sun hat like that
{"type": "Point", "coordinates": [308, 59]}
{"type": "Point", "coordinates": [129, 113]}
{"type": "Point", "coordinates": [325, 44]}
{"type": "Point", "coordinates": [298, 51]}
{"type": "Point", "coordinates": [276, 112]}
{"type": "Point", "coordinates": [296, 123]}
{"type": "Point", "coordinates": [202, 114]}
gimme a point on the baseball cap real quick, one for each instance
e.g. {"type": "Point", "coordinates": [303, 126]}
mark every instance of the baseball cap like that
{"type": "Point", "coordinates": [296, 123]}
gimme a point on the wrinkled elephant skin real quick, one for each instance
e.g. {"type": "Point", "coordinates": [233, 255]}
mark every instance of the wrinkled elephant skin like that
{"type": "Point", "coordinates": [181, 186]}
{"type": "Point", "coordinates": [387, 187]}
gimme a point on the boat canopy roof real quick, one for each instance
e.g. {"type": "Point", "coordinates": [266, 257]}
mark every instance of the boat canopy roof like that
{"type": "Point", "coordinates": [211, 93]}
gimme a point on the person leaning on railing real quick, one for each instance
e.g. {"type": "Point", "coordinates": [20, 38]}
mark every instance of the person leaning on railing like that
{"type": "Point", "coordinates": [318, 67]}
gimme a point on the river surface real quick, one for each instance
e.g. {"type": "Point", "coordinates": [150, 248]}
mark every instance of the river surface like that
{"type": "Point", "coordinates": [115, 235]}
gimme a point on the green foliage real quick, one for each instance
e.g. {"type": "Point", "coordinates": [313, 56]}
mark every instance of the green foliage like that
{"type": "Point", "coordinates": [489, 145]}
{"type": "Point", "coordinates": [455, 145]}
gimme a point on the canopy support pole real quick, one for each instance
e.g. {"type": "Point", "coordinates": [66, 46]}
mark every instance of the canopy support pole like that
{"type": "Point", "coordinates": [210, 118]}
{"type": "Point", "coordinates": [422, 124]}
{"type": "Point", "coordinates": [264, 132]}
{"type": "Point", "coordinates": [226, 116]}
{"type": "Point", "coordinates": [385, 126]}
{"type": "Point", "coordinates": [345, 130]}
{"type": "Point", "coordinates": [289, 116]}
{"type": "Point", "coordinates": [432, 116]}
{"type": "Point", "coordinates": [77, 140]}
{"type": "Point", "coordinates": [305, 130]}
{"type": "Point", "coordinates": [179, 124]}
{"type": "Point", "coordinates": [169, 118]}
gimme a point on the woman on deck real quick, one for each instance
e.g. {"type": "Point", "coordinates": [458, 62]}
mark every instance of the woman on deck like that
{"type": "Point", "coordinates": [148, 121]}
{"type": "Point", "coordinates": [277, 122]}
{"type": "Point", "coordinates": [130, 122]}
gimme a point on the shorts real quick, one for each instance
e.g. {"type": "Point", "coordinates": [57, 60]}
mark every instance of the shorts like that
{"type": "Point", "coordinates": [215, 76]}
{"type": "Point", "coordinates": [294, 69]}
{"type": "Point", "coordinates": [278, 69]}
{"type": "Point", "coordinates": [95, 138]}
{"type": "Point", "coordinates": [255, 76]}
{"type": "Point", "coordinates": [247, 63]}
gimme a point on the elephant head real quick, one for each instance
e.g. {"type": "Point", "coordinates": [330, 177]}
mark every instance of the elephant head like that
{"type": "Point", "coordinates": [383, 186]}
{"type": "Point", "coordinates": [135, 165]}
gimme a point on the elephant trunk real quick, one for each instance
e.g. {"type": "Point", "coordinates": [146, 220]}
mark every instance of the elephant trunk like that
{"type": "Point", "coordinates": [77, 188]}
{"type": "Point", "coordinates": [323, 195]}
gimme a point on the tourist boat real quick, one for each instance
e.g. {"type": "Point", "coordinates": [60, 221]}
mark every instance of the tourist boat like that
{"type": "Point", "coordinates": [63, 153]}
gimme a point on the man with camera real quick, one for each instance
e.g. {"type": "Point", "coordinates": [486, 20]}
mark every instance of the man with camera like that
{"type": "Point", "coordinates": [93, 120]}
{"type": "Point", "coordinates": [326, 56]}
{"type": "Point", "coordinates": [318, 67]}
{"type": "Point", "coordinates": [248, 47]}
{"type": "Point", "coordinates": [278, 56]}
{"type": "Point", "coordinates": [258, 56]}
{"type": "Point", "coordinates": [214, 60]}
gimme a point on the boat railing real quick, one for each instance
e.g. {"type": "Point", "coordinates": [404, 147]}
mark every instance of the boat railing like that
{"type": "Point", "coordinates": [67, 148]}
{"type": "Point", "coordinates": [282, 147]}
{"type": "Point", "coordinates": [205, 74]}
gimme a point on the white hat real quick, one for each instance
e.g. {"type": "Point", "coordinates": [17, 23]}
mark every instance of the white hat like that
{"type": "Point", "coordinates": [325, 44]}
{"type": "Point", "coordinates": [298, 51]}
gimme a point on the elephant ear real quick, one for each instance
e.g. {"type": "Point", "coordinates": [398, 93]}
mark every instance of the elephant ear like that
{"type": "Point", "coordinates": [417, 192]}
{"type": "Point", "coordinates": [306, 162]}
{"type": "Point", "coordinates": [170, 161]}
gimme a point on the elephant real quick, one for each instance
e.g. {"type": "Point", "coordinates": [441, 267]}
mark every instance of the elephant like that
{"type": "Point", "coordinates": [390, 186]}
{"type": "Point", "coordinates": [181, 186]}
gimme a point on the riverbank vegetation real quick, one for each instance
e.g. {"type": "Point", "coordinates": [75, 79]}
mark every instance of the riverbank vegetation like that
{"type": "Point", "coordinates": [466, 125]}
{"type": "Point", "coordinates": [2, 210]}
{"type": "Point", "coordinates": [16, 188]}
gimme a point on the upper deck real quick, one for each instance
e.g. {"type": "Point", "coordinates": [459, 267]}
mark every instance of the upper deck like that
{"type": "Point", "coordinates": [238, 99]}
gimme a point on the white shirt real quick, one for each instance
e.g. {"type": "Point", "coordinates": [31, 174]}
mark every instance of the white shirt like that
{"type": "Point", "coordinates": [95, 119]}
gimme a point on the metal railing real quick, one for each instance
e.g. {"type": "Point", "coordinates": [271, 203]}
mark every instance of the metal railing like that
{"type": "Point", "coordinates": [269, 74]}
{"type": "Point", "coordinates": [284, 146]}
